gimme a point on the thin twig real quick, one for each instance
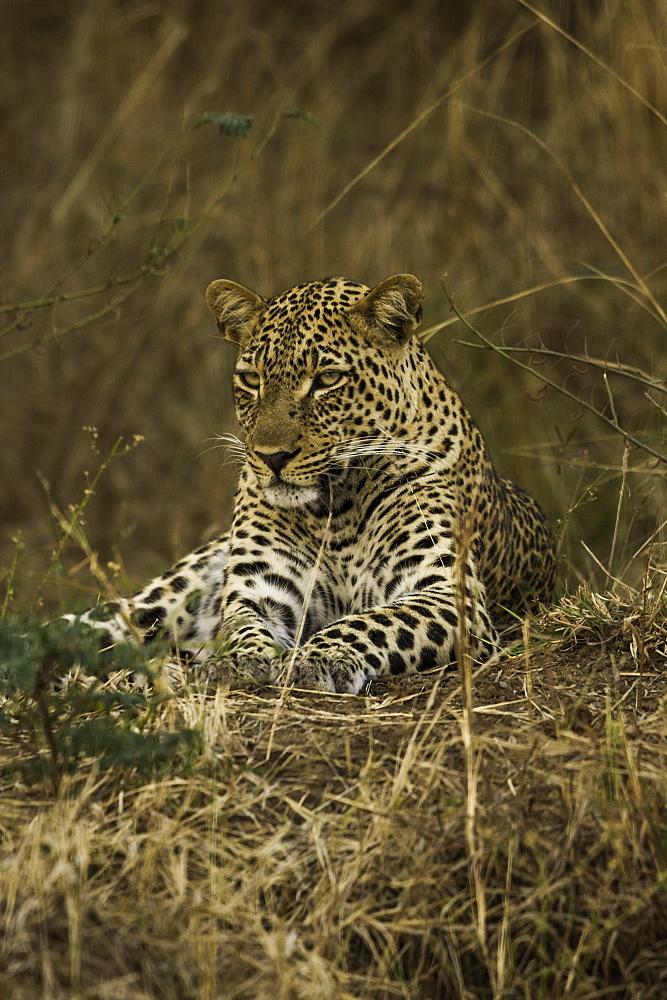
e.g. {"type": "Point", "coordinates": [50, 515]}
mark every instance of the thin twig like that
{"type": "Point", "coordinates": [506, 353]}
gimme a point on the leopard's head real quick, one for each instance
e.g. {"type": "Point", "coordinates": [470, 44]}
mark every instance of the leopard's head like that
{"type": "Point", "coordinates": [322, 367]}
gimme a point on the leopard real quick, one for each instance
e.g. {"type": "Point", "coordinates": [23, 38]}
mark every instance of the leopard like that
{"type": "Point", "coordinates": [371, 534]}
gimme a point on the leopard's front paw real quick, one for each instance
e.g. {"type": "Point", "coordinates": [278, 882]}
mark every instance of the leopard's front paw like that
{"type": "Point", "coordinates": [335, 672]}
{"type": "Point", "coordinates": [240, 670]}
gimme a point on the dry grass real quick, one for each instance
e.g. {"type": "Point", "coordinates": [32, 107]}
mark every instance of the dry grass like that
{"type": "Point", "coordinates": [354, 859]}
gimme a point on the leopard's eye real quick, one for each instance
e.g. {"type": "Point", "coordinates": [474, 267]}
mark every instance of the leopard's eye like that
{"type": "Point", "coordinates": [327, 379]}
{"type": "Point", "coordinates": [250, 379]}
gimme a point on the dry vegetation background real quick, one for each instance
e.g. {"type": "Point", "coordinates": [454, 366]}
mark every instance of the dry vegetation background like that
{"type": "Point", "coordinates": [501, 128]}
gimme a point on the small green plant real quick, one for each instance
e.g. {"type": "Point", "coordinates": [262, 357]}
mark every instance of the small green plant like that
{"type": "Point", "coordinates": [72, 523]}
{"type": "Point", "coordinates": [92, 719]}
{"type": "Point", "coordinates": [57, 730]}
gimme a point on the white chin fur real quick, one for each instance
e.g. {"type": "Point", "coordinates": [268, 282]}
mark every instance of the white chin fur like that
{"type": "Point", "coordinates": [286, 495]}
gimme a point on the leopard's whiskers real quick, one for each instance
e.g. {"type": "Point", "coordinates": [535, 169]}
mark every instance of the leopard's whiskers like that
{"type": "Point", "coordinates": [231, 444]}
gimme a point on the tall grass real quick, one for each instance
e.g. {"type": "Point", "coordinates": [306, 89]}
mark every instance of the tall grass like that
{"type": "Point", "coordinates": [479, 146]}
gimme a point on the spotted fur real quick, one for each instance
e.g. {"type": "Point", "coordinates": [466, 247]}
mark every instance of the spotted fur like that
{"type": "Point", "coordinates": [371, 533]}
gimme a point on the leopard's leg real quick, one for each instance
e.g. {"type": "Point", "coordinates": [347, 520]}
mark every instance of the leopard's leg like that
{"type": "Point", "coordinates": [180, 607]}
{"type": "Point", "coordinates": [420, 631]}
{"type": "Point", "coordinates": [264, 614]}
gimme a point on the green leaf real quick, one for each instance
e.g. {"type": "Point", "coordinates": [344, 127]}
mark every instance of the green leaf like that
{"type": "Point", "coordinates": [228, 123]}
{"type": "Point", "coordinates": [303, 114]}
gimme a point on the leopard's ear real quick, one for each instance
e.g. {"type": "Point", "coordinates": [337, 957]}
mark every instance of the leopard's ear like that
{"type": "Point", "coordinates": [236, 308]}
{"type": "Point", "coordinates": [390, 313]}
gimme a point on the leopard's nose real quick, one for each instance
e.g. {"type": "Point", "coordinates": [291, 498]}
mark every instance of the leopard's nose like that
{"type": "Point", "coordinates": [276, 460]}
